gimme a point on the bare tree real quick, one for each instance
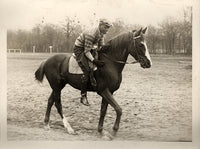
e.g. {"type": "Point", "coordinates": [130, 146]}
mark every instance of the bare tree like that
{"type": "Point", "coordinates": [171, 36]}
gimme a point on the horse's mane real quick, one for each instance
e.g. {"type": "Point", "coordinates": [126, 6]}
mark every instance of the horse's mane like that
{"type": "Point", "coordinates": [117, 41]}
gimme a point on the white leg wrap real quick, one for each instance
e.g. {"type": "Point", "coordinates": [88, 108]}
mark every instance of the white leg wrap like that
{"type": "Point", "coordinates": [67, 125]}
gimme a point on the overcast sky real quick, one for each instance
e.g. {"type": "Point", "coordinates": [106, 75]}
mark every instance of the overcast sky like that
{"type": "Point", "coordinates": [24, 14]}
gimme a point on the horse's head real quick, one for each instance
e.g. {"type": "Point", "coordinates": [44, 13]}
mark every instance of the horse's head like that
{"type": "Point", "coordinates": [138, 48]}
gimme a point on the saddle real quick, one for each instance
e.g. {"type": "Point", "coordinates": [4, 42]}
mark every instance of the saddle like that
{"type": "Point", "coordinates": [73, 67]}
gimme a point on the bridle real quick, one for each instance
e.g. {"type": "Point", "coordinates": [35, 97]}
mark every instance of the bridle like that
{"type": "Point", "coordinates": [132, 39]}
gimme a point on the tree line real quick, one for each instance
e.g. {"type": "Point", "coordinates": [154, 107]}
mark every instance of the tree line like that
{"type": "Point", "coordinates": [171, 36]}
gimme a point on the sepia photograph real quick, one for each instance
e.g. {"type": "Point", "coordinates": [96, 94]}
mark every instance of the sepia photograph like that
{"type": "Point", "coordinates": [99, 70]}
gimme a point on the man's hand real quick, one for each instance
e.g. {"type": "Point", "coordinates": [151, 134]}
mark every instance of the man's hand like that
{"type": "Point", "coordinates": [105, 48]}
{"type": "Point", "coordinates": [98, 63]}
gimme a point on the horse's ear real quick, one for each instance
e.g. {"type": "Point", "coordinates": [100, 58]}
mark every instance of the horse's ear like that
{"type": "Point", "coordinates": [138, 32]}
{"type": "Point", "coordinates": [144, 30]}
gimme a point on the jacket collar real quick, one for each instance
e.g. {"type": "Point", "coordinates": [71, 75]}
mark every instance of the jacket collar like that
{"type": "Point", "coordinates": [98, 33]}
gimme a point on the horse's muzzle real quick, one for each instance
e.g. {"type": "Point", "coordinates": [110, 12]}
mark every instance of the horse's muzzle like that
{"type": "Point", "coordinates": [145, 64]}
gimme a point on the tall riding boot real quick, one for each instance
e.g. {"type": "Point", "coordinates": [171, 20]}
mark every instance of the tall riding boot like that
{"type": "Point", "coordinates": [84, 91]}
{"type": "Point", "coordinates": [92, 79]}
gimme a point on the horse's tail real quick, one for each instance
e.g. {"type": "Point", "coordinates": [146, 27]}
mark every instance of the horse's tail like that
{"type": "Point", "coordinates": [39, 73]}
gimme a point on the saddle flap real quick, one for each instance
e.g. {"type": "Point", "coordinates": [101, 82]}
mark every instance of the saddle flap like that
{"type": "Point", "coordinates": [74, 68]}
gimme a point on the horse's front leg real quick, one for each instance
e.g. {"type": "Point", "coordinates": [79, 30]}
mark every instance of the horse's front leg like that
{"type": "Point", "coordinates": [104, 106]}
{"type": "Point", "coordinates": [110, 99]}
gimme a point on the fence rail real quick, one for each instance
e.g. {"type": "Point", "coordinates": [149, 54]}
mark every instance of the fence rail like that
{"type": "Point", "coordinates": [14, 50]}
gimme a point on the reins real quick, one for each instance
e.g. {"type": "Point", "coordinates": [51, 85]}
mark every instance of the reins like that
{"type": "Point", "coordinates": [116, 61]}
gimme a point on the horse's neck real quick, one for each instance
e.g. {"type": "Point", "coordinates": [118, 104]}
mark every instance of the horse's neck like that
{"type": "Point", "coordinates": [119, 48]}
{"type": "Point", "coordinates": [120, 54]}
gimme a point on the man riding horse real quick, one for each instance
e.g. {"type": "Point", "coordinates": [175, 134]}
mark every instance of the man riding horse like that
{"type": "Point", "coordinates": [86, 50]}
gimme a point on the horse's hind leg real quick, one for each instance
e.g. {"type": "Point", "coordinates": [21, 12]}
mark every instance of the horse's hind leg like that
{"type": "Point", "coordinates": [49, 105]}
{"type": "Point", "coordinates": [60, 111]}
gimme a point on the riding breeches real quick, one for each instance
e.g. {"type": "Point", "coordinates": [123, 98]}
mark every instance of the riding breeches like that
{"type": "Point", "coordinates": [82, 62]}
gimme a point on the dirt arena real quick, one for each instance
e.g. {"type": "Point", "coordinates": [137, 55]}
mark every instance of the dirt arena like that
{"type": "Point", "coordinates": [156, 103]}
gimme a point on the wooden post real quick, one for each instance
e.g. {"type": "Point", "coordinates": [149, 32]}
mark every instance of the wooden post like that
{"type": "Point", "coordinates": [33, 49]}
{"type": "Point", "coordinates": [50, 48]}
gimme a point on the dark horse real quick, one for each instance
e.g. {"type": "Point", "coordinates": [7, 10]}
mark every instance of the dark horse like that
{"type": "Point", "coordinates": [108, 77]}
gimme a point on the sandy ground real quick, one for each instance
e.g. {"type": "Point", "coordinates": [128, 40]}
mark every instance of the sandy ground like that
{"type": "Point", "coordinates": [156, 103]}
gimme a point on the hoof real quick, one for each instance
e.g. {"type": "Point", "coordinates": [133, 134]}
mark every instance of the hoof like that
{"type": "Point", "coordinates": [107, 136]}
{"type": "Point", "coordinates": [100, 129]}
{"type": "Point", "coordinates": [47, 127]}
{"type": "Point", "coordinates": [114, 133]}
{"type": "Point", "coordinates": [115, 129]}
{"type": "Point", "coordinates": [71, 132]}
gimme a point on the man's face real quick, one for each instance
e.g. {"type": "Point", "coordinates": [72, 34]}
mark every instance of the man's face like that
{"type": "Point", "coordinates": [103, 28]}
